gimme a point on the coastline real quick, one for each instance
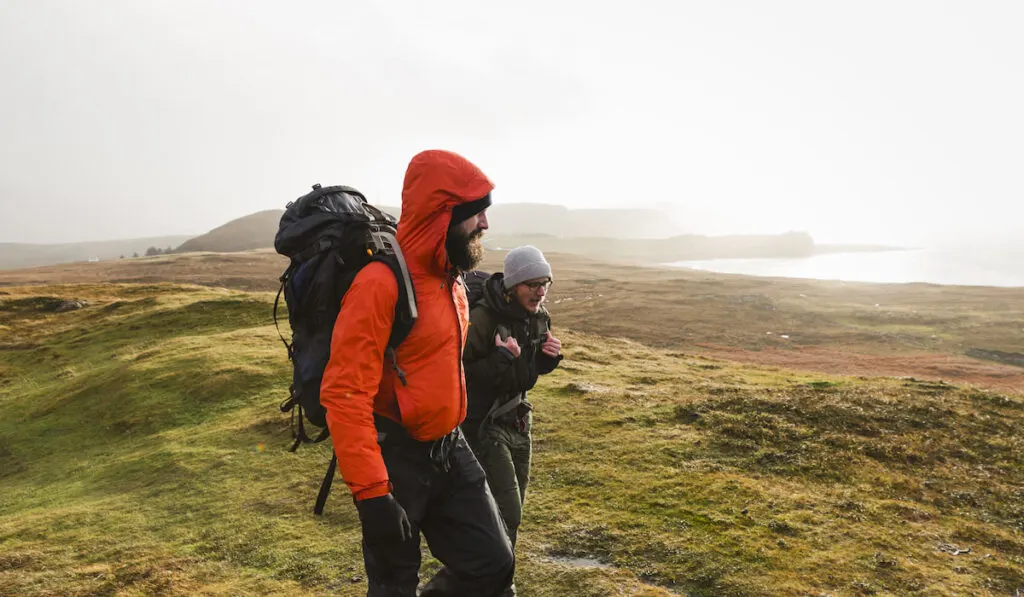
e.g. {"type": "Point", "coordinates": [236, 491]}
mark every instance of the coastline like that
{"type": "Point", "coordinates": [943, 267]}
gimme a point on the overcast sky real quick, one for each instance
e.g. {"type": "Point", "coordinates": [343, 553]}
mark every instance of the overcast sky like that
{"type": "Point", "coordinates": [897, 122]}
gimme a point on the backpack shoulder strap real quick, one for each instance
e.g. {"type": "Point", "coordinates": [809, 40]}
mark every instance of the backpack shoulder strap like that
{"type": "Point", "coordinates": [406, 312]}
{"type": "Point", "coordinates": [483, 325]}
{"type": "Point", "coordinates": [541, 323]}
{"type": "Point", "coordinates": [405, 308]}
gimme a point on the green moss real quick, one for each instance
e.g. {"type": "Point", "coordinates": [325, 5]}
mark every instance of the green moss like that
{"type": "Point", "coordinates": [142, 452]}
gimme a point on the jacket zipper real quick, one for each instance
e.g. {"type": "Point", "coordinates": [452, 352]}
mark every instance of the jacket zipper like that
{"type": "Point", "coordinates": [458, 324]}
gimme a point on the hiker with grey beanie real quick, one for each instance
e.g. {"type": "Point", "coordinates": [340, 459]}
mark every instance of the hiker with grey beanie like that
{"type": "Point", "coordinates": [510, 344]}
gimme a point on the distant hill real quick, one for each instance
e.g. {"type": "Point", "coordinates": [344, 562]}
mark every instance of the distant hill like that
{"type": "Point", "coordinates": [641, 234]}
{"type": "Point", "coordinates": [18, 255]}
{"type": "Point", "coordinates": [254, 231]}
{"type": "Point", "coordinates": [663, 250]}
{"type": "Point", "coordinates": [557, 220]}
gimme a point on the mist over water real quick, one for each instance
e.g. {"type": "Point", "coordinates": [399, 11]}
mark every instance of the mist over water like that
{"type": "Point", "coordinates": [974, 267]}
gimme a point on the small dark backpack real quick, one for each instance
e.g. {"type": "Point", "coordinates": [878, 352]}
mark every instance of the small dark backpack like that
{"type": "Point", "coordinates": [476, 281]}
{"type": "Point", "coordinates": [330, 234]}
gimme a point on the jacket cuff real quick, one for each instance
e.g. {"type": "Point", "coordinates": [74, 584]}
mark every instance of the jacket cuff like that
{"type": "Point", "coordinates": [373, 491]}
{"type": "Point", "coordinates": [506, 353]}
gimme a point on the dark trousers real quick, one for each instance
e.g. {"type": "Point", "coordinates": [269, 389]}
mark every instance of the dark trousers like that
{"type": "Point", "coordinates": [447, 499]}
{"type": "Point", "coordinates": [505, 450]}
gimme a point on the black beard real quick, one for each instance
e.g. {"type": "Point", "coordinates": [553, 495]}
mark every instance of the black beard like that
{"type": "Point", "coordinates": [465, 252]}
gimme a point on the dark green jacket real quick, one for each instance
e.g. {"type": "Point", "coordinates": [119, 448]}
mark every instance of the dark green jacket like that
{"type": "Point", "coordinates": [492, 373]}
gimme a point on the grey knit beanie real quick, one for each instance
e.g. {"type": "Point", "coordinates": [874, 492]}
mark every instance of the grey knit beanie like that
{"type": "Point", "coordinates": [525, 263]}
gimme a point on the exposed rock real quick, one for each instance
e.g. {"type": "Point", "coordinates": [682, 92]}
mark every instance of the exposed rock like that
{"type": "Point", "coordinates": [46, 304]}
{"type": "Point", "coordinates": [69, 306]}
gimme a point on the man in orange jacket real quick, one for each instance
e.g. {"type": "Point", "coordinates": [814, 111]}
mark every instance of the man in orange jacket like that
{"type": "Point", "coordinates": [394, 418]}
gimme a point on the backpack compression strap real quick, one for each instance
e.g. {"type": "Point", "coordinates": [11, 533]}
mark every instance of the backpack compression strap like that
{"type": "Point", "coordinates": [323, 244]}
{"type": "Point", "coordinates": [325, 486]}
{"type": "Point", "coordinates": [277, 300]}
{"type": "Point", "coordinates": [299, 427]}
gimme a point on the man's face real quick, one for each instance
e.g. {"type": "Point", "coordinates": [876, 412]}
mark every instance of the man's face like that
{"type": "Point", "coordinates": [464, 245]}
{"type": "Point", "coordinates": [474, 224]}
{"type": "Point", "coordinates": [532, 293]}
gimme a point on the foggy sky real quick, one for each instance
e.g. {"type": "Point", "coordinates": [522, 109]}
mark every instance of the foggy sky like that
{"type": "Point", "coordinates": [897, 122]}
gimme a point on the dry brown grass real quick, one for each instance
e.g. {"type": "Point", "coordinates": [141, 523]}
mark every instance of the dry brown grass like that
{"type": "Point", "coordinates": [920, 330]}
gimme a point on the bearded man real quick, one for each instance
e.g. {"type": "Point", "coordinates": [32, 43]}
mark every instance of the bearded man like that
{"type": "Point", "coordinates": [394, 418]}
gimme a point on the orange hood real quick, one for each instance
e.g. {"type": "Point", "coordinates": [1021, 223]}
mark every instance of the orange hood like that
{"type": "Point", "coordinates": [435, 182]}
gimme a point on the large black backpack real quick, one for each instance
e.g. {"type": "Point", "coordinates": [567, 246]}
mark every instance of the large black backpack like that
{"type": "Point", "coordinates": [330, 234]}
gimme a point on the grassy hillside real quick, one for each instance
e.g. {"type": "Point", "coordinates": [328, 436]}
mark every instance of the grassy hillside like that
{"type": "Point", "coordinates": [142, 452]}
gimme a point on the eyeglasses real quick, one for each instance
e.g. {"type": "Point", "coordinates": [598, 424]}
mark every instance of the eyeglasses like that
{"type": "Point", "coordinates": [535, 286]}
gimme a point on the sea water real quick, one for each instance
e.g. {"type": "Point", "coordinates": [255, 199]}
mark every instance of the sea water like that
{"type": "Point", "coordinates": [962, 266]}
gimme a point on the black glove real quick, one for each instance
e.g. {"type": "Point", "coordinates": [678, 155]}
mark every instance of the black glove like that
{"type": "Point", "coordinates": [384, 520]}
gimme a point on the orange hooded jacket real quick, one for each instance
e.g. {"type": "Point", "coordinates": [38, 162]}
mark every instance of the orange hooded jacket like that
{"type": "Point", "coordinates": [358, 380]}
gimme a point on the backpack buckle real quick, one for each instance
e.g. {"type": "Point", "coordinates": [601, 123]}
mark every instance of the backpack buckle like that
{"type": "Point", "coordinates": [441, 450]}
{"type": "Point", "coordinates": [289, 403]}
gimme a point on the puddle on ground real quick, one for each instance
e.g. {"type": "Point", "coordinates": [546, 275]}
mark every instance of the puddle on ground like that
{"type": "Point", "coordinates": [578, 562]}
{"type": "Point", "coordinates": [594, 563]}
